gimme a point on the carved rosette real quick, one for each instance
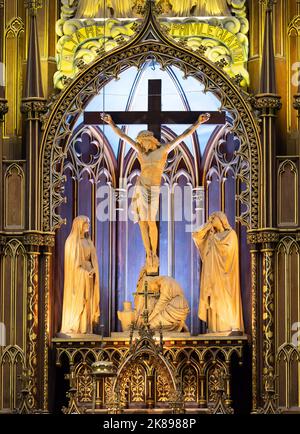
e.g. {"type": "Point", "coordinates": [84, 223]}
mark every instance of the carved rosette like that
{"type": "Point", "coordinates": [3, 108]}
{"type": "Point", "coordinates": [267, 103]}
{"type": "Point", "coordinates": [34, 109]}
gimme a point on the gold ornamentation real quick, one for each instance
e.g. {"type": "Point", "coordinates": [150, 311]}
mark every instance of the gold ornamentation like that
{"type": "Point", "coordinates": [84, 383]}
{"type": "Point", "coordinates": [254, 328]}
{"type": "Point", "coordinates": [215, 377]}
{"type": "Point", "coordinates": [14, 28]}
{"type": "Point", "coordinates": [268, 331]}
{"type": "Point", "coordinates": [47, 268]}
{"type": "Point", "coordinates": [294, 26]}
{"type": "Point", "coordinates": [32, 327]}
{"type": "Point", "coordinates": [189, 384]}
{"type": "Point", "coordinates": [163, 388]}
{"type": "Point", "coordinates": [137, 383]}
{"type": "Point", "coordinates": [118, 393]}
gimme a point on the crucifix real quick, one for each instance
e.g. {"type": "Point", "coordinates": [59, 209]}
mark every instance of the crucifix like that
{"type": "Point", "coordinates": [152, 156]}
{"type": "Point", "coordinates": [154, 117]}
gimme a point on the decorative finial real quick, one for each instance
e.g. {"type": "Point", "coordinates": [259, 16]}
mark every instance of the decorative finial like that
{"type": "Point", "coordinates": [33, 6]}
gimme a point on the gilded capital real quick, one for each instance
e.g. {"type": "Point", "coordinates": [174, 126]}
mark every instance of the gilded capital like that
{"type": "Point", "coordinates": [269, 4]}
{"type": "Point", "coordinates": [267, 103]}
{"type": "Point", "coordinates": [34, 109]}
{"type": "Point", "coordinates": [33, 6]}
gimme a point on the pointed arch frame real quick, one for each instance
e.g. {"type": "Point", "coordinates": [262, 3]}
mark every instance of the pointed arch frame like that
{"type": "Point", "coordinates": [151, 41]}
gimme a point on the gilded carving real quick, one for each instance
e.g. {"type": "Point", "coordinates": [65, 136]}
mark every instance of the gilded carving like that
{"type": "Point", "coordinates": [130, 386]}
{"type": "Point", "coordinates": [32, 326]}
{"type": "Point", "coordinates": [163, 388]}
{"type": "Point", "coordinates": [84, 383]}
{"type": "Point", "coordinates": [189, 383]}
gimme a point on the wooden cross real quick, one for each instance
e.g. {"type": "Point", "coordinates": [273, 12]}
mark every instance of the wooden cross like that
{"type": "Point", "coordinates": [154, 117]}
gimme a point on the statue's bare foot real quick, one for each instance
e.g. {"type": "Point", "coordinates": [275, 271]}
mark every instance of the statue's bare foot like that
{"type": "Point", "coordinates": [155, 260]}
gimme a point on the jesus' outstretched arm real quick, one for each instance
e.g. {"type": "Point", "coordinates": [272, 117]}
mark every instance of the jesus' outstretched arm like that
{"type": "Point", "coordinates": [108, 119]}
{"type": "Point", "coordinates": [202, 119]}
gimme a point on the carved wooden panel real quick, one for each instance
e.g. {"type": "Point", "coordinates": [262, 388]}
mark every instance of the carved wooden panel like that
{"type": "Point", "coordinates": [288, 194]}
{"type": "Point", "coordinates": [13, 304]}
{"type": "Point", "coordinates": [287, 322]}
{"type": "Point", "coordinates": [14, 192]}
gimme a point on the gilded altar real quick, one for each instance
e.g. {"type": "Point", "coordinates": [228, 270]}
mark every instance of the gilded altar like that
{"type": "Point", "coordinates": [204, 366]}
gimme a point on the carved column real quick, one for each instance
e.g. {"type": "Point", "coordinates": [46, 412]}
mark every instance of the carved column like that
{"type": "Point", "coordinates": [32, 243]}
{"type": "Point", "coordinates": [202, 383]}
{"type": "Point", "coordinates": [263, 379]}
{"type": "Point", "coordinates": [45, 291]}
{"type": "Point", "coordinates": [254, 327]}
{"type": "Point", "coordinates": [150, 389]}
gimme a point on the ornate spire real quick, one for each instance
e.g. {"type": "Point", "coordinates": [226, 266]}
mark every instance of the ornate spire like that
{"type": "Point", "coordinates": [268, 81]}
{"type": "Point", "coordinates": [33, 87]}
{"type": "Point", "coordinates": [3, 101]}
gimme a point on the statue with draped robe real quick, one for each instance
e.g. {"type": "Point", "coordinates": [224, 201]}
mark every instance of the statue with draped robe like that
{"type": "Point", "coordinates": [220, 295]}
{"type": "Point", "coordinates": [81, 299]}
{"type": "Point", "coordinates": [167, 305]}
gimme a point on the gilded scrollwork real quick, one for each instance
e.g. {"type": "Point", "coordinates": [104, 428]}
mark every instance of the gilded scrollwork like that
{"type": "Point", "coordinates": [32, 327]}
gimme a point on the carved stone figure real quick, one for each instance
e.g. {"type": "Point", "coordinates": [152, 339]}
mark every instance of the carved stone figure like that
{"type": "Point", "coordinates": [127, 316]}
{"type": "Point", "coordinates": [152, 157]}
{"type": "Point", "coordinates": [81, 285]}
{"type": "Point", "coordinates": [220, 296]}
{"type": "Point", "coordinates": [167, 305]}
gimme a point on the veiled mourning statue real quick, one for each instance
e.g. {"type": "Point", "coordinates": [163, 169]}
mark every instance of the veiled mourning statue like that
{"type": "Point", "coordinates": [220, 295]}
{"type": "Point", "coordinates": [81, 281]}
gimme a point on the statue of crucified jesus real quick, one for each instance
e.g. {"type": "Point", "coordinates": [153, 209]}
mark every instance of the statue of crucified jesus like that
{"type": "Point", "coordinates": [152, 156]}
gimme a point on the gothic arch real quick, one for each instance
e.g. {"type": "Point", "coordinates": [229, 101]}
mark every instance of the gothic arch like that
{"type": "Point", "coordinates": [151, 42]}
